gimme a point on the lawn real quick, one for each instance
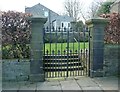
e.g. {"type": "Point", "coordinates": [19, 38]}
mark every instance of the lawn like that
{"type": "Point", "coordinates": [62, 46]}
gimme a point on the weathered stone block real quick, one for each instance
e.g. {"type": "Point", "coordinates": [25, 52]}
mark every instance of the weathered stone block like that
{"type": "Point", "coordinates": [35, 66]}
{"type": "Point", "coordinates": [11, 69]}
{"type": "Point", "coordinates": [37, 45]}
{"type": "Point", "coordinates": [98, 73]}
{"type": "Point", "coordinates": [111, 59]}
{"type": "Point", "coordinates": [22, 78]}
{"type": "Point", "coordinates": [37, 77]}
{"type": "Point", "coordinates": [98, 37]}
{"type": "Point", "coordinates": [37, 55]}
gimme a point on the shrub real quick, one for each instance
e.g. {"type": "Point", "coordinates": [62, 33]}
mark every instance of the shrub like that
{"type": "Point", "coordinates": [112, 31]}
{"type": "Point", "coordinates": [15, 35]}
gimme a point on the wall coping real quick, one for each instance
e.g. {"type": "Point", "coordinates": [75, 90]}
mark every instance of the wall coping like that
{"type": "Point", "coordinates": [37, 19]}
{"type": "Point", "coordinates": [112, 45]}
{"type": "Point", "coordinates": [97, 21]}
{"type": "Point", "coordinates": [16, 60]}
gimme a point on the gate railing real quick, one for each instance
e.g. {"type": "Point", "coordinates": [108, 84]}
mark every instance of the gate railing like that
{"type": "Point", "coordinates": [64, 53]}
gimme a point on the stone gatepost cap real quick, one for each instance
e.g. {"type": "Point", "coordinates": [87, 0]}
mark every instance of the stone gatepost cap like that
{"type": "Point", "coordinates": [98, 20]}
{"type": "Point", "coordinates": [38, 19]}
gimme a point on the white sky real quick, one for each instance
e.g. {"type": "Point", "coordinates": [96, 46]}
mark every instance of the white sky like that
{"type": "Point", "coordinates": [19, 5]}
{"type": "Point", "coordinates": [55, 5]}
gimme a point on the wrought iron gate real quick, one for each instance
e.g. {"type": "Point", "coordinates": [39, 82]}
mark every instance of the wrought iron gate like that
{"type": "Point", "coordinates": [66, 52]}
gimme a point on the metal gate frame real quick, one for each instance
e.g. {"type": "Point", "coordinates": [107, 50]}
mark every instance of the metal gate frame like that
{"type": "Point", "coordinates": [68, 62]}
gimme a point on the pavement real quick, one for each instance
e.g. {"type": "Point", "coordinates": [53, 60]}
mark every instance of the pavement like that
{"type": "Point", "coordinates": [77, 84]}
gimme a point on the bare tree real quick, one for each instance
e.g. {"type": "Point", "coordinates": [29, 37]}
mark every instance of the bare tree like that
{"type": "Point", "coordinates": [93, 8]}
{"type": "Point", "coordinates": [73, 8]}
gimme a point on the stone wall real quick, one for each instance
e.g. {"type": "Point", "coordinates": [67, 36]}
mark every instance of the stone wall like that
{"type": "Point", "coordinates": [14, 70]}
{"type": "Point", "coordinates": [111, 59]}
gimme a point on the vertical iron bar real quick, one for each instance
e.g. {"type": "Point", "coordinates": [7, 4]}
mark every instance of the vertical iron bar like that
{"type": "Point", "coordinates": [73, 55]}
{"type": "Point", "coordinates": [64, 62]}
{"type": "Point", "coordinates": [52, 56]}
{"type": "Point", "coordinates": [86, 62]}
{"type": "Point", "coordinates": [56, 52]}
{"type": "Point", "coordinates": [59, 63]}
{"type": "Point", "coordinates": [70, 55]}
{"type": "Point", "coordinates": [61, 49]}
{"type": "Point", "coordinates": [79, 54]}
{"type": "Point", "coordinates": [70, 63]}
{"type": "Point", "coordinates": [47, 55]}
{"type": "Point", "coordinates": [81, 62]}
{"type": "Point", "coordinates": [75, 52]}
{"type": "Point", "coordinates": [44, 51]}
{"type": "Point", "coordinates": [67, 50]}
{"type": "Point", "coordinates": [84, 52]}
{"type": "Point", "coordinates": [50, 51]}
{"type": "Point", "coordinates": [89, 53]}
{"type": "Point", "coordinates": [52, 63]}
{"type": "Point", "coordinates": [76, 62]}
{"type": "Point", "coordinates": [46, 68]}
{"type": "Point", "coordinates": [64, 31]}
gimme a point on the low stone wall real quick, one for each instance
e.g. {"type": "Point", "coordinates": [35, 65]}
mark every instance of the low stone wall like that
{"type": "Point", "coordinates": [111, 59]}
{"type": "Point", "coordinates": [14, 70]}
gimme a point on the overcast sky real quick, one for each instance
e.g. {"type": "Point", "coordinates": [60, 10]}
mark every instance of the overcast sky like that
{"type": "Point", "coordinates": [19, 5]}
{"type": "Point", "coordinates": [55, 5]}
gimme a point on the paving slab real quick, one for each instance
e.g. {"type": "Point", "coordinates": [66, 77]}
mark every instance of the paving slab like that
{"type": "Point", "coordinates": [52, 85]}
{"type": "Point", "coordinates": [69, 85]}
{"type": "Point", "coordinates": [92, 91]}
{"type": "Point", "coordinates": [9, 91]}
{"type": "Point", "coordinates": [91, 88]}
{"type": "Point", "coordinates": [76, 84]}
{"type": "Point", "coordinates": [86, 82]}
{"type": "Point", "coordinates": [107, 83]}
{"type": "Point", "coordinates": [10, 86]}
{"type": "Point", "coordinates": [26, 91]}
{"type": "Point", "coordinates": [49, 91]}
{"type": "Point", "coordinates": [27, 86]}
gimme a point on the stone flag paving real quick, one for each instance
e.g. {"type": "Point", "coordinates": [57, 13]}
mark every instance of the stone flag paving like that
{"type": "Point", "coordinates": [75, 84]}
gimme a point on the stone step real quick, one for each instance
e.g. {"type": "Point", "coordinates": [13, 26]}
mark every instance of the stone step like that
{"type": "Point", "coordinates": [54, 69]}
{"type": "Point", "coordinates": [59, 64]}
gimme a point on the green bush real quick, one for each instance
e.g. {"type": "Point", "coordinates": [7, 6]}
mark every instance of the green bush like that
{"type": "Point", "coordinates": [15, 35]}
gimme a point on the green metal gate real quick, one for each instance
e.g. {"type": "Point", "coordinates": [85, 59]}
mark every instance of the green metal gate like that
{"type": "Point", "coordinates": [66, 52]}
